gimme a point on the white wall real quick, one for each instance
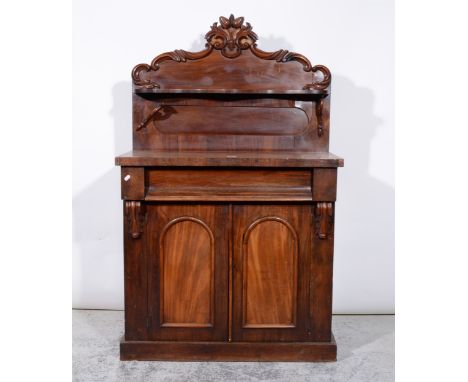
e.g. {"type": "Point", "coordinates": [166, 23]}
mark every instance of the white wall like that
{"type": "Point", "coordinates": [353, 38]}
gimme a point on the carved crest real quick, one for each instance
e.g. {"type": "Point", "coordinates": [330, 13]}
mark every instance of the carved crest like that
{"type": "Point", "coordinates": [231, 37]}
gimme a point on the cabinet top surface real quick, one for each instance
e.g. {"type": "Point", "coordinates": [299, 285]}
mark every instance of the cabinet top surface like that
{"type": "Point", "coordinates": [229, 159]}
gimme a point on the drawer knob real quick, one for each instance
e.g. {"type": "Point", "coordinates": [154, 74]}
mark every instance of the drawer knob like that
{"type": "Point", "coordinates": [127, 178]}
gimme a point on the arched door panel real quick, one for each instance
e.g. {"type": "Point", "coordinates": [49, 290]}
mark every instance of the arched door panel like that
{"type": "Point", "coordinates": [187, 268]}
{"type": "Point", "coordinates": [271, 262]}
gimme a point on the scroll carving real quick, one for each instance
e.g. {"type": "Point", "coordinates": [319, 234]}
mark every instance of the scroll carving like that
{"type": "Point", "coordinates": [135, 212]}
{"type": "Point", "coordinates": [323, 220]}
{"type": "Point", "coordinates": [231, 37]}
{"type": "Point", "coordinates": [177, 55]}
{"type": "Point", "coordinates": [320, 84]}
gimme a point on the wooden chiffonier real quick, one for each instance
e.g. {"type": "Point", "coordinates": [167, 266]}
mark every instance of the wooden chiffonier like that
{"type": "Point", "coordinates": [229, 203]}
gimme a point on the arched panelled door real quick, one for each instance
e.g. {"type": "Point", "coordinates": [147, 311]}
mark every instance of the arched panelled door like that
{"type": "Point", "coordinates": [188, 251]}
{"type": "Point", "coordinates": [187, 256]}
{"type": "Point", "coordinates": [272, 246]}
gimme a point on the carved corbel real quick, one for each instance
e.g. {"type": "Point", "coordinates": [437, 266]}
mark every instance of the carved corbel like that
{"type": "Point", "coordinates": [323, 219]}
{"type": "Point", "coordinates": [135, 213]}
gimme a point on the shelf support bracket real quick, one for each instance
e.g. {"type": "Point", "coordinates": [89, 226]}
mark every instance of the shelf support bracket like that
{"type": "Point", "coordinates": [148, 118]}
{"type": "Point", "coordinates": [319, 115]}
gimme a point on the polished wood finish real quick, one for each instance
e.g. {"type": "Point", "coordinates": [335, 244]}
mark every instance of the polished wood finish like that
{"type": "Point", "coordinates": [271, 278]}
{"type": "Point", "coordinates": [229, 159]}
{"type": "Point", "coordinates": [321, 272]}
{"type": "Point", "coordinates": [253, 124]}
{"type": "Point", "coordinates": [207, 69]}
{"type": "Point", "coordinates": [229, 351]}
{"type": "Point", "coordinates": [133, 183]}
{"type": "Point", "coordinates": [135, 273]}
{"type": "Point", "coordinates": [227, 185]}
{"type": "Point", "coordinates": [187, 268]}
{"type": "Point", "coordinates": [270, 101]}
{"type": "Point", "coordinates": [324, 184]}
{"type": "Point", "coordinates": [229, 202]}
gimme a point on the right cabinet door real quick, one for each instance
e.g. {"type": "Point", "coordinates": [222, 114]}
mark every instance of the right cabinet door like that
{"type": "Point", "coordinates": [271, 264]}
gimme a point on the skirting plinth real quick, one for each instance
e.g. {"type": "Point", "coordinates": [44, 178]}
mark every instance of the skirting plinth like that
{"type": "Point", "coordinates": [228, 351]}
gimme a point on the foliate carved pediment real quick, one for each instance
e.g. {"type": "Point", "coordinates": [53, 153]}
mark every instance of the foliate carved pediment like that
{"type": "Point", "coordinates": [231, 37]}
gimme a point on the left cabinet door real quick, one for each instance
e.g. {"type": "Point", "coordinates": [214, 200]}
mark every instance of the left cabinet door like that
{"type": "Point", "coordinates": [187, 250]}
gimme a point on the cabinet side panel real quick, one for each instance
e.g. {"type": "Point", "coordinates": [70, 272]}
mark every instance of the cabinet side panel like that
{"type": "Point", "coordinates": [135, 275]}
{"type": "Point", "coordinates": [321, 282]}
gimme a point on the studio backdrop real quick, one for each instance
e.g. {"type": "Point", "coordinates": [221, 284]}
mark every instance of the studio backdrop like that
{"type": "Point", "coordinates": [352, 38]}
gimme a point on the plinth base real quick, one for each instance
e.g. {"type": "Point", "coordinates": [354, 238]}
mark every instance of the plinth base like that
{"type": "Point", "coordinates": [228, 351]}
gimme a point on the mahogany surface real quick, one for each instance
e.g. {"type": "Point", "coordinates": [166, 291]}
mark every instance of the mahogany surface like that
{"type": "Point", "coordinates": [229, 159]}
{"type": "Point", "coordinates": [187, 265]}
{"type": "Point", "coordinates": [229, 202]}
{"type": "Point", "coordinates": [271, 272]}
{"type": "Point", "coordinates": [228, 351]}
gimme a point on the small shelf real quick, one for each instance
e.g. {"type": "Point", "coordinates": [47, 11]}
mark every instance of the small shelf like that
{"type": "Point", "coordinates": [315, 93]}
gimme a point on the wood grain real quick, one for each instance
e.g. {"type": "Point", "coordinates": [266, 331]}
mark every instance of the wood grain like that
{"type": "Point", "coordinates": [271, 258]}
{"type": "Point", "coordinates": [135, 282]}
{"type": "Point", "coordinates": [232, 39]}
{"type": "Point", "coordinates": [229, 207]}
{"type": "Point", "coordinates": [161, 123]}
{"type": "Point", "coordinates": [229, 159]}
{"type": "Point", "coordinates": [226, 185]}
{"type": "Point", "coordinates": [267, 121]}
{"type": "Point", "coordinates": [228, 351]}
{"type": "Point", "coordinates": [187, 273]}
{"type": "Point", "coordinates": [216, 72]}
{"type": "Point", "coordinates": [324, 184]}
{"type": "Point", "coordinates": [132, 180]}
{"type": "Point", "coordinates": [179, 97]}
{"type": "Point", "coordinates": [321, 283]}
{"type": "Point", "coordinates": [270, 251]}
{"type": "Point", "coordinates": [187, 269]}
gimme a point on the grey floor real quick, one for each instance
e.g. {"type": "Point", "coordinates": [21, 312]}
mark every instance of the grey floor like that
{"type": "Point", "coordinates": [365, 353]}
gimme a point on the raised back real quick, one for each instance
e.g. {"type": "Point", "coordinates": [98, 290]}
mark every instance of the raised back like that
{"type": "Point", "coordinates": [231, 96]}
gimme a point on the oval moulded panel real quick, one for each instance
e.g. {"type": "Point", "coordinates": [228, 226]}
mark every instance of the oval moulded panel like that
{"type": "Point", "coordinates": [242, 120]}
